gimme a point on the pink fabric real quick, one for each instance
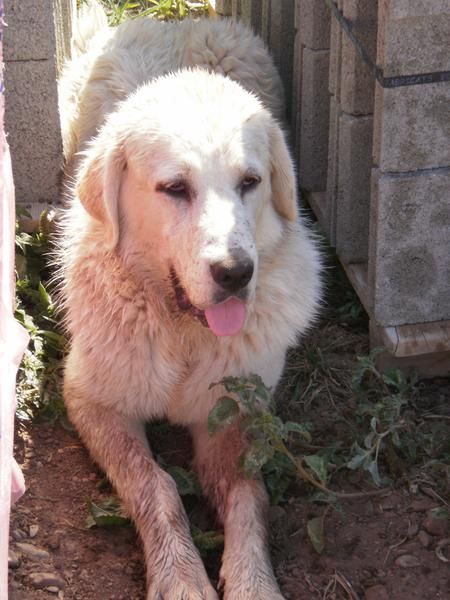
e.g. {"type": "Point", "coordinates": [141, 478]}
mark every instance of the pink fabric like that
{"type": "Point", "coordinates": [13, 341]}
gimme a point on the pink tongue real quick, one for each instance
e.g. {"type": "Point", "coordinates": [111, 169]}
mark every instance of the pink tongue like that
{"type": "Point", "coordinates": [226, 318]}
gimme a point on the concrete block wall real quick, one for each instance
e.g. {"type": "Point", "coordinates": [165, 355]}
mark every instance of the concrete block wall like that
{"type": "Point", "coordinates": [313, 46]}
{"type": "Point", "coordinates": [36, 41]}
{"type": "Point", "coordinates": [273, 20]}
{"type": "Point", "coordinates": [409, 266]}
{"type": "Point", "coordinates": [354, 93]}
{"type": "Point", "coordinates": [373, 152]}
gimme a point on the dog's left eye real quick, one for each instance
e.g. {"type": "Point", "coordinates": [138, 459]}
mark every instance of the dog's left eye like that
{"type": "Point", "coordinates": [249, 183]}
{"type": "Point", "coordinates": [176, 189]}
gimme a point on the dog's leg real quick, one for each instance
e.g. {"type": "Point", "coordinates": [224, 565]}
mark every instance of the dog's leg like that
{"type": "Point", "coordinates": [242, 506]}
{"type": "Point", "coordinates": [174, 568]}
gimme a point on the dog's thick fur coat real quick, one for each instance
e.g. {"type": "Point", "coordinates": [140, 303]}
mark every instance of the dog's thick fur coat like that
{"type": "Point", "coordinates": [174, 170]}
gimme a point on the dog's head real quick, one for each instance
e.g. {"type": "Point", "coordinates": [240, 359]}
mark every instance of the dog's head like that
{"type": "Point", "coordinates": [191, 177]}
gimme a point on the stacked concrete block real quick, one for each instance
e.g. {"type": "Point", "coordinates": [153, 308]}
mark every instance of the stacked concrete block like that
{"type": "Point", "coordinates": [334, 86]}
{"type": "Point", "coordinates": [410, 265]}
{"type": "Point", "coordinates": [266, 10]}
{"type": "Point", "coordinates": [296, 82]}
{"type": "Point", "coordinates": [409, 268]}
{"type": "Point", "coordinates": [35, 43]}
{"type": "Point", "coordinates": [312, 125]}
{"type": "Point", "coordinates": [351, 126]}
{"type": "Point", "coordinates": [353, 187]}
{"type": "Point", "coordinates": [236, 8]}
{"type": "Point", "coordinates": [249, 11]}
{"type": "Point", "coordinates": [273, 20]}
{"type": "Point", "coordinates": [281, 42]}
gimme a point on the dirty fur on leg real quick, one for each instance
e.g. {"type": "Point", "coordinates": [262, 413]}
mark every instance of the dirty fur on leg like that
{"type": "Point", "coordinates": [241, 505]}
{"type": "Point", "coordinates": [174, 567]}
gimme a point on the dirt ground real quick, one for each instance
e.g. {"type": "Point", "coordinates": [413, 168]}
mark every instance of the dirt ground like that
{"type": "Point", "coordinates": [376, 547]}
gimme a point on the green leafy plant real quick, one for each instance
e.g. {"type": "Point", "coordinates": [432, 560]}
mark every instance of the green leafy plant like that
{"type": "Point", "coordinates": [267, 434]}
{"type": "Point", "coordinates": [107, 513]}
{"type": "Point", "coordinates": [160, 9]}
{"type": "Point", "coordinates": [40, 373]}
{"type": "Point", "coordinates": [382, 400]}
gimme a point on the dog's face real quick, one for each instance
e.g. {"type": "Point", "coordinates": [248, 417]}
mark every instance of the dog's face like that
{"type": "Point", "coordinates": [191, 179]}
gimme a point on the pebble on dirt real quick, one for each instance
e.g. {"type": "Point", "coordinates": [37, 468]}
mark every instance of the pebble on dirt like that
{"type": "Point", "coordinates": [407, 561]}
{"type": "Point", "coordinates": [424, 538]}
{"type": "Point", "coordinates": [33, 552]}
{"type": "Point", "coordinates": [13, 560]}
{"type": "Point", "coordinates": [45, 580]}
{"type": "Point", "coordinates": [377, 592]}
{"type": "Point", "coordinates": [437, 522]}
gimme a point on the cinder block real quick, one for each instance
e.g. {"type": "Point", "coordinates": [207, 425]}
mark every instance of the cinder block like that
{"type": "Point", "coordinates": [417, 8]}
{"type": "Point", "coordinates": [409, 266]}
{"type": "Point", "coordinates": [412, 127]}
{"type": "Point", "coordinates": [363, 16]}
{"type": "Point", "coordinates": [65, 14]}
{"type": "Point", "coordinates": [37, 40]}
{"type": "Point", "coordinates": [332, 170]}
{"type": "Point", "coordinates": [353, 197]}
{"type": "Point", "coordinates": [334, 79]}
{"type": "Point", "coordinates": [250, 11]}
{"type": "Point", "coordinates": [281, 41]}
{"type": "Point", "coordinates": [313, 163]}
{"type": "Point", "coordinates": [314, 24]}
{"type": "Point", "coordinates": [223, 7]}
{"type": "Point", "coordinates": [32, 125]}
{"type": "Point", "coordinates": [30, 31]}
{"type": "Point", "coordinates": [265, 19]}
{"type": "Point", "coordinates": [296, 93]}
{"type": "Point", "coordinates": [236, 8]}
{"type": "Point", "coordinates": [357, 80]}
{"type": "Point", "coordinates": [297, 15]}
{"type": "Point", "coordinates": [413, 37]}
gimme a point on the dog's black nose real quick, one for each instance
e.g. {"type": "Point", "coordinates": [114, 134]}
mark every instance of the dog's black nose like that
{"type": "Point", "coordinates": [234, 273]}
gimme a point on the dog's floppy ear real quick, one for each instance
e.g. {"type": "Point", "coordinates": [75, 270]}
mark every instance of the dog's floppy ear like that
{"type": "Point", "coordinates": [98, 187]}
{"type": "Point", "coordinates": [284, 186]}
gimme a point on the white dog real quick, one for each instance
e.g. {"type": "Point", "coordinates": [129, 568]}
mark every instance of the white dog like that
{"type": "Point", "coordinates": [184, 261]}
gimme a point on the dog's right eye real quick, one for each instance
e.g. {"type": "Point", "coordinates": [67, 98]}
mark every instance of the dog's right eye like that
{"type": "Point", "coordinates": [175, 189]}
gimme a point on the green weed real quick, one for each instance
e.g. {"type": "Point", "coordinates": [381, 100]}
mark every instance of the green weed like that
{"type": "Point", "coordinates": [119, 10]}
{"type": "Point", "coordinates": [40, 373]}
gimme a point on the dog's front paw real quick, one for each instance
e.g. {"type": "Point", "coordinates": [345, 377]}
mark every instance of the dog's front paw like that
{"type": "Point", "coordinates": [243, 592]}
{"type": "Point", "coordinates": [251, 584]}
{"type": "Point", "coordinates": [181, 589]}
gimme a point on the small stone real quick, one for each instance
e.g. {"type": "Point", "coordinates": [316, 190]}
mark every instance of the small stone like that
{"type": "Point", "coordinates": [33, 552]}
{"type": "Point", "coordinates": [413, 530]}
{"type": "Point", "coordinates": [45, 580]}
{"type": "Point", "coordinates": [437, 522]}
{"type": "Point", "coordinates": [407, 561]}
{"type": "Point", "coordinates": [13, 559]}
{"type": "Point", "coordinates": [424, 538]}
{"type": "Point", "coordinates": [52, 589]}
{"type": "Point", "coordinates": [34, 530]}
{"type": "Point", "coordinates": [19, 535]}
{"type": "Point", "coordinates": [421, 504]}
{"type": "Point", "coordinates": [377, 592]}
{"type": "Point", "coordinates": [408, 548]}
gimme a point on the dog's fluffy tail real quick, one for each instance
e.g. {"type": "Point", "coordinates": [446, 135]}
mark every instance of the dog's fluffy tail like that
{"type": "Point", "coordinates": [90, 20]}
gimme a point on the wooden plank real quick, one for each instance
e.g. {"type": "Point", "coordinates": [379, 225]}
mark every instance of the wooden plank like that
{"type": "Point", "coordinates": [317, 201]}
{"type": "Point", "coordinates": [357, 274]}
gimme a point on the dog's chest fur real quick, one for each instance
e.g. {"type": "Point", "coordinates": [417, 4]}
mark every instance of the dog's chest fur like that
{"type": "Point", "coordinates": [131, 351]}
